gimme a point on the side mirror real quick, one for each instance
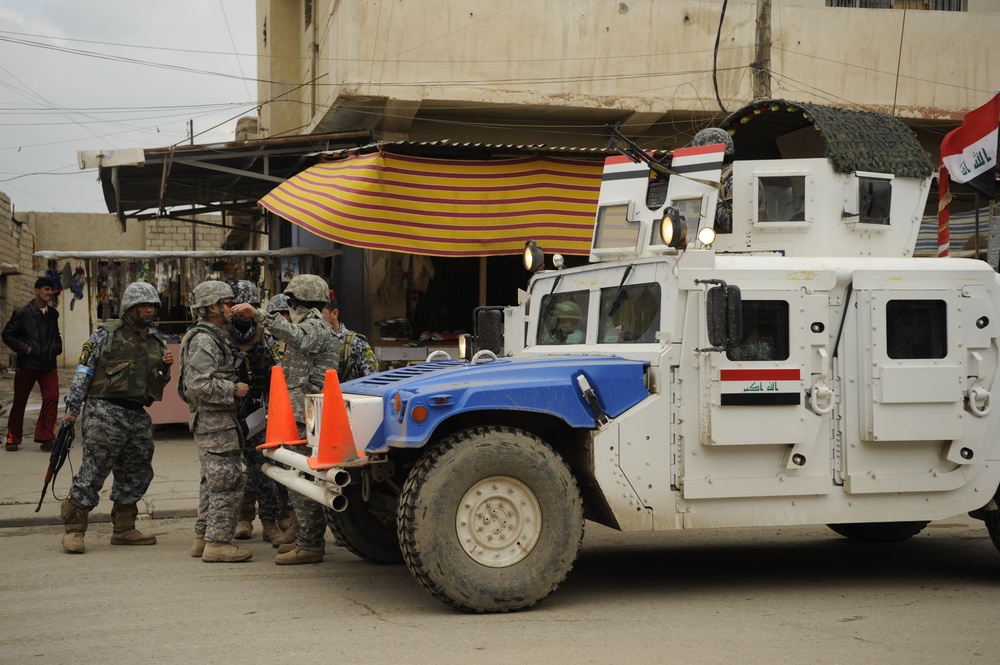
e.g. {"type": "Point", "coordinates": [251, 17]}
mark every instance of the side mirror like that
{"type": "Point", "coordinates": [487, 329]}
{"type": "Point", "coordinates": [724, 310]}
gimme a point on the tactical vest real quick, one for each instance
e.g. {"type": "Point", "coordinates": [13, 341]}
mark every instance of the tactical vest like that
{"type": "Point", "coordinates": [131, 366]}
{"type": "Point", "coordinates": [226, 371]}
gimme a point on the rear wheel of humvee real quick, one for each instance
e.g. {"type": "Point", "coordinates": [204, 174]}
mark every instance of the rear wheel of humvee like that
{"type": "Point", "coordinates": [992, 519]}
{"type": "Point", "coordinates": [490, 520]}
{"type": "Point", "coordinates": [363, 534]}
{"type": "Point", "coordinates": [879, 532]}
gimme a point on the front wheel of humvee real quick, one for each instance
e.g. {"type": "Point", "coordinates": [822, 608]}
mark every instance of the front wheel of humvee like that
{"type": "Point", "coordinates": [879, 532]}
{"type": "Point", "coordinates": [490, 520]}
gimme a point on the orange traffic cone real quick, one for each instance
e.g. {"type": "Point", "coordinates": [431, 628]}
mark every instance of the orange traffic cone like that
{"type": "Point", "coordinates": [336, 441]}
{"type": "Point", "coordinates": [281, 428]}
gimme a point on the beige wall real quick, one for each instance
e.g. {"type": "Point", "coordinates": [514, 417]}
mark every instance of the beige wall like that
{"type": "Point", "coordinates": [379, 62]}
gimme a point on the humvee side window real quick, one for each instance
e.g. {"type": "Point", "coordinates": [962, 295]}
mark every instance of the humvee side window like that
{"type": "Point", "coordinates": [765, 331]}
{"type": "Point", "coordinates": [781, 198]}
{"type": "Point", "coordinates": [874, 197]}
{"type": "Point", "coordinates": [635, 319]}
{"type": "Point", "coordinates": [916, 329]}
{"type": "Point", "coordinates": [563, 318]}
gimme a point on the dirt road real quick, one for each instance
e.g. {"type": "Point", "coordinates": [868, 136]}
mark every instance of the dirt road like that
{"type": "Point", "coordinates": [789, 595]}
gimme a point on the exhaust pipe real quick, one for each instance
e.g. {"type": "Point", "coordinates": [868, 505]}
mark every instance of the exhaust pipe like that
{"type": "Point", "coordinates": [291, 479]}
{"type": "Point", "coordinates": [336, 476]}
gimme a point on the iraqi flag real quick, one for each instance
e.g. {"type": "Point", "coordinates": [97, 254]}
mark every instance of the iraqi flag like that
{"type": "Point", "coordinates": [970, 152]}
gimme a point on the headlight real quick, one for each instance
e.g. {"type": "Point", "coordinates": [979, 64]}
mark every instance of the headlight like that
{"type": "Point", "coordinates": [311, 410]}
{"type": "Point", "coordinates": [673, 230]}
{"type": "Point", "coordinates": [706, 236]}
{"type": "Point", "coordinates": [534, 257]}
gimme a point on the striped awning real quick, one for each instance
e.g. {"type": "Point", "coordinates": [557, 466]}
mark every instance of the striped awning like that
{"type": "Point", "coordinates": [445, 207]}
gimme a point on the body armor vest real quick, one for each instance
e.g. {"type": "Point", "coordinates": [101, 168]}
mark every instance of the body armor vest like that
{"type": "Point", "coordinates": [226, 371]}
{"type": "Point", "coordinates": [131, 366]}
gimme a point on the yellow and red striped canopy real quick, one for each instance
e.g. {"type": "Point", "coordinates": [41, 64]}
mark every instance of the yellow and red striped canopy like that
{"type": "Point", "coordinates": [445, 207]}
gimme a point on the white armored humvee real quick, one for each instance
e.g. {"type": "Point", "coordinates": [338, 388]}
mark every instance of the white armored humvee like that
{"type": "Point", "coordinates": [787, 363]}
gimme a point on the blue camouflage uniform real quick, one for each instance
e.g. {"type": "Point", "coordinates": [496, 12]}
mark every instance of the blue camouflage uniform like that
{"type": "Point", "coordinates": [357, 359]}
{"type": "Point", "coordinates": [117, 431]}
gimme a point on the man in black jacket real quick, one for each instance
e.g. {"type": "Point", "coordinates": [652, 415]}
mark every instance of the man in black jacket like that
{"type": "Point", "coordinates": [33, 334]}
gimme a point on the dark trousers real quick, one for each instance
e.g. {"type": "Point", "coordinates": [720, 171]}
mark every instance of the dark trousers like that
{"type": "Point", "coordinates": [24, 381]}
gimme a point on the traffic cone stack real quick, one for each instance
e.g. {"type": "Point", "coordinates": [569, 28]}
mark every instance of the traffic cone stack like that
{"type": "Point", "coordinates": [281, 428]}
{"type": "Point", "coordinates": [336, 440]}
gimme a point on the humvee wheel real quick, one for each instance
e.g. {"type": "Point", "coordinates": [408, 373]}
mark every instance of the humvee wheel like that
{"type": "Point", "coordinates": [490, 520]}
{"type": "Point", "coordinates": [992, 519]}
{"type": "Point", "coordinates": [879, 532]}
{"type": "Point", "coordinates": [363, 534]}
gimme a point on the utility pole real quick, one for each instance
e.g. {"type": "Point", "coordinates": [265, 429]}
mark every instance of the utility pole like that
{"type": "Point", "coordinates": [762, 52]}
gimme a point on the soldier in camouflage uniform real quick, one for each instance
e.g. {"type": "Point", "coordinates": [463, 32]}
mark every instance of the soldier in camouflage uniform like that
{"type": "Point", "coordinates": [123, 368]}
{"type": "Point", "coordinates": [356, 356]}
{"type": "Point", "coordinates": [211, 388]}
{"type": "Point", "coordinates": [724, 207]}
{"type": "Point", "coordinates": [311, 348]}
{"type": "Point", "coordinates": [248, 337]}
{"type": "Point", "coordinates": [286, 521]}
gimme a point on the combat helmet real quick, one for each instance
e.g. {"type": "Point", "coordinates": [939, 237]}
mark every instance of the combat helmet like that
{"type": "Point", "coordinates": [714, 136]}
{"type": "Point", "coordinates": [209, 293]}
{"type": "Point", "coordinates": [246, 292]}
{"type": "Point", "coordinates": [567, 309]}
{"type": "Point", "coordinates": [311, 289]}
{"type": "Point", "coordinates": [277, 303]}
{"type": "Point", "coordinates": [139, 293]}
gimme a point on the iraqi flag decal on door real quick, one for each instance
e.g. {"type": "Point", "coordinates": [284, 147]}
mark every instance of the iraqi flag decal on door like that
{"type": "Point", "coordinates": [760, 387]}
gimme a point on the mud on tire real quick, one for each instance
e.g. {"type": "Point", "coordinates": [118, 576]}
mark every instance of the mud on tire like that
{"type": "Point", "coordinates": [490, 520]}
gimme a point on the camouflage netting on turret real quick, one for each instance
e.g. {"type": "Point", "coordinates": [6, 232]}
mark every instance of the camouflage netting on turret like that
{"type": "Point", "coordinates": [854, 140]}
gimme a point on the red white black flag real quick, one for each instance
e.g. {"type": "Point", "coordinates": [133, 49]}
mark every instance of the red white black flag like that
{"type": "Point", "coordinates": [970, 152]}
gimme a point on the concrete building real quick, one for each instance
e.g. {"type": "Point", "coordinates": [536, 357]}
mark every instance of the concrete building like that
{"type": "Point", "coordinates": [540, 73]}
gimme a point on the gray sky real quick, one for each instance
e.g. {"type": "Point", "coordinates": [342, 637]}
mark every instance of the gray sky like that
{"type": "Point", "coordinates": [113, 74]}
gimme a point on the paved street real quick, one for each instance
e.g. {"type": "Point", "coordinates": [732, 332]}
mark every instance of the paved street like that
{"type": "Point", "coordinates": [790, 595]}
{"type": "Point", "coordinates": [772, 595]}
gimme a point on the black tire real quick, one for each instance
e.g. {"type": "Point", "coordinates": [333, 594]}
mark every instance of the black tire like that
{"type": "Point", "coordinates": [363, 534]}
{"type": "Point", "coordinates": [992, 519]}
{"type": "Point", "coordinates": [522, 549]}
{"type": "Point", "coordinates": [879, 532]}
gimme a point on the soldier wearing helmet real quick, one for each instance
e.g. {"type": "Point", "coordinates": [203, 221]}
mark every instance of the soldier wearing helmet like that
{"type": "Point", "coordinates": [211, 387]}
{"type": "Point", "coordinates": [311, 348]}
{"type": "Point", "coordinates": [724, 206]}
{"type": "Point", "coordinates": [255, 369]}
{"type": "Point", "coordinates": [564, 324]}
{"type": "Point", "coordinates": [123, 368]}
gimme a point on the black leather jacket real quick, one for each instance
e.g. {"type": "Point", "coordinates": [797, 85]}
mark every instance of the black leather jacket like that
{"type": "Point", "coordinates": [27, 328]}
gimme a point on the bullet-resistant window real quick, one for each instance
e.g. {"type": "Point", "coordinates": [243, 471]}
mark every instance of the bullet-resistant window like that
{"type": "Point", "coordinates": [916, 329]}
{"type": "Point", "coordinates": [765, 331]}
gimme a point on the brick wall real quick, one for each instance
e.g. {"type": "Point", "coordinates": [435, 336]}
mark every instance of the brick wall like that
{"type": "Point", "coordinates": [17, 269]}
{"type": "Point", "coordinates": [166, 235]}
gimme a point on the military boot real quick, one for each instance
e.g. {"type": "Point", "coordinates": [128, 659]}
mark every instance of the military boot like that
{"type": "Point", "coordinates": [290, 535]}
{"type": "Point", "coordinates": [123, 517]}
{"type": "Point", "coordinates": [288, 547]}
{"type": "Point", "coordinates": [248, 510]}
{"type": "Point", "coordinates": [224, 553]}
{"type": "Point", "coordinates": [198, 546]}
{"type": "Point", "coordinates": [74, 517]}
{"type": "Point", "coordinates": [270, 529]}
{"type": "Point", "coordinates": [299, 555]}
